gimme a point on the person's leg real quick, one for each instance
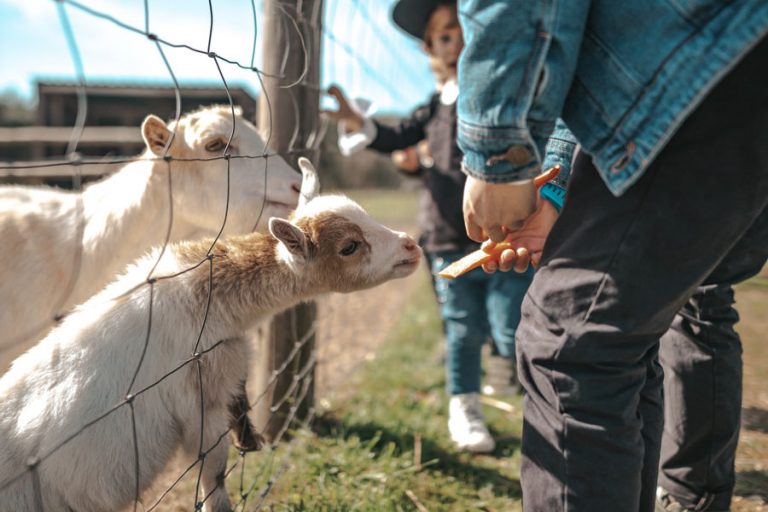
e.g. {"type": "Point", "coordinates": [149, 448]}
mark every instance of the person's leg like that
{"type": "Point", "coordinates": [701, 356]}
{"type": "Point", "coordinates": [462, 308]}
{"type": "Point", "coordinates": [504, 296]}
{"type": "Point", "coordinates": [613, 274]}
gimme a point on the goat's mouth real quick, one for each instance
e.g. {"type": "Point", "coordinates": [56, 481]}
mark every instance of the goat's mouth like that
{"type": "Point", "coordinates": [408, 262]}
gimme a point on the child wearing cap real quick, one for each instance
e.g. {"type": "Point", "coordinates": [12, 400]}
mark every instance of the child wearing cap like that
{"type": "Point", "coordinates": [477, 305]}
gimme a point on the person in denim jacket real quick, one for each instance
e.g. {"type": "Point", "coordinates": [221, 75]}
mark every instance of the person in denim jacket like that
{"type": "Point", "coordinates": [667, 208]}
{"type": "Point", "coordinates": [479, 305]}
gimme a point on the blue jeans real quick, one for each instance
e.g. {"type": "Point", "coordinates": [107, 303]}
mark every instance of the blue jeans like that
{"type": "Point", "coordinates": [473, 307]}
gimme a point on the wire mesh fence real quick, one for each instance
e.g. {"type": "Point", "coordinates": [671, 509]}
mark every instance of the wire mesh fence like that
{"type": "Point", "coordinates": [290, 84]}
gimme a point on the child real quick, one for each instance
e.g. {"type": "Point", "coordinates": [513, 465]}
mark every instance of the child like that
{"type": "Point", "coordinates": [478, 304]}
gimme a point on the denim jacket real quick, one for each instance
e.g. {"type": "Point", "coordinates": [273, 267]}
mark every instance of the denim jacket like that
{"type": "Point", "coordinates": [622, 74]}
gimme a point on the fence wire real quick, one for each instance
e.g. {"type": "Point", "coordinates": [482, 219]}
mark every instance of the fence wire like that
{"type": "Point", "coordinates": [252, 488]}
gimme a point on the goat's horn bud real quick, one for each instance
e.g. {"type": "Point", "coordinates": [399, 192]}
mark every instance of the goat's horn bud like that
{"type": "Point", "coordinates": [310, 185]}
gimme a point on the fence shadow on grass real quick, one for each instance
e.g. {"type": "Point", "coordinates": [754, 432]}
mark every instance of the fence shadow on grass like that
{"type": "Point", "coordinates": [450, 463]}
{"type": "Point", "coordinates": [755, 419]}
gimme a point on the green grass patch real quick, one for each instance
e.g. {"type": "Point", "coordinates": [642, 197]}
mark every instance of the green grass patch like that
{"type": "Point", "coordinates": [360, 453]}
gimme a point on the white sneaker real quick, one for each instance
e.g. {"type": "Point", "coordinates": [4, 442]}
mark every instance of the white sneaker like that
{"type": "Point", "coordinates": [467, 424]}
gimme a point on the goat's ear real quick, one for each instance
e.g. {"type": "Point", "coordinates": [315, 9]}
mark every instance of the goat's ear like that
{"type": "Point", "coordinates": [290, 236]}
{"type": "Point", "coordinates": [310, 185]}
{"type": "Point", "coordinates": [156, 134]}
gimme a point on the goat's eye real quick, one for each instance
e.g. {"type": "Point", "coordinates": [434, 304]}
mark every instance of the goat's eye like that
{"type": "Point", "coordinates": [216, 145]}
{"type": "Point", "coordinates": [350, 248]}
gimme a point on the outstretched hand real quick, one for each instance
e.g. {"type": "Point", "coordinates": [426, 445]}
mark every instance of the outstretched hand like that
{"type": "Point", "coordinates": [529, 240]}
{"type": "Point", "coordinates": [345, 112]}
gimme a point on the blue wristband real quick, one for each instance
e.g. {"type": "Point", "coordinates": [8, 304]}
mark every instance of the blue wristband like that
{"type": "Point", "coordinates": [554, 194]}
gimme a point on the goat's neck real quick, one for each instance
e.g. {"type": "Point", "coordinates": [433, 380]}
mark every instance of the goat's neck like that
{"type": "Point", "coordinates": [250, 281]}
{"type": "Point", "coordinates": [124, 215]}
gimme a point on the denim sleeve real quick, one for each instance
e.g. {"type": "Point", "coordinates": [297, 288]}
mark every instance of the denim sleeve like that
{"type": "Point", "coordinates": [514, 73]}
{"type": "Point", "coordinates": [559, 151]}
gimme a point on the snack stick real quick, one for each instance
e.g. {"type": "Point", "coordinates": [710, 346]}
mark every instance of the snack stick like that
{"type": "Point", "coordinates": [473, 260]}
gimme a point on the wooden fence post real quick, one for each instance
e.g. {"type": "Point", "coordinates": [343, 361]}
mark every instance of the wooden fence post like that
{"type": "Point", "coordinates": [289, 118]}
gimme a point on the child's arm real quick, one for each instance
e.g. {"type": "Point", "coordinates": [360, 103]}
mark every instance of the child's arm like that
{"type": "Point", "coordinates": [346, 115]}
{"type": "Point", "coordinates": [357, 131]}
{"type": "Point", "coordinates": [406, 133]}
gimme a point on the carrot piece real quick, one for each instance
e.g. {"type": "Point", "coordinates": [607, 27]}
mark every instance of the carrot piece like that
{"type": "Point", "coordinates": [482, 256]}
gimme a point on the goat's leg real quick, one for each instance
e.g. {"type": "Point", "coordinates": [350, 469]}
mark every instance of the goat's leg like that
{"type": "Point", "coordinates": [212, 479]}
{"type": "Point", "coordinates": [242, 434]}
{"type": "Point", "coordinates": [214, 458]}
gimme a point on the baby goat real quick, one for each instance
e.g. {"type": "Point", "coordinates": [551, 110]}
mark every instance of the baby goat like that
{"type": "Point", "coordinates": [54, 400]}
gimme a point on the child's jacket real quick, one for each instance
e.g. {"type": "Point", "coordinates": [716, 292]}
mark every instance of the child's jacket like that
{"type": "Point", "coordinates": [440, 214]}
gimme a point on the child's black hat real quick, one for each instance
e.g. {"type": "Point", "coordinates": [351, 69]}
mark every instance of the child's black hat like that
{"type": "Point", "coordinates": [413, 15]}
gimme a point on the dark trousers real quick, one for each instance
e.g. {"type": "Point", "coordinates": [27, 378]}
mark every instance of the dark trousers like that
{"type": "Point", "coordinates": [701, 357]}
{"type": "Point", "coordinates": [615, 274]}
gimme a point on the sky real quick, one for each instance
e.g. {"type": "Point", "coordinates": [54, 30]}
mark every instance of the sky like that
{"type": "Point", "coordinates": [363, 51]}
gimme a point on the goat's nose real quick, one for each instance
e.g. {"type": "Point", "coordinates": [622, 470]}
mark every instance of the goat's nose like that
{"type": "Point", "coordinates": [409, 244]}
{"type": "Point", "coordinates": [296, 187]}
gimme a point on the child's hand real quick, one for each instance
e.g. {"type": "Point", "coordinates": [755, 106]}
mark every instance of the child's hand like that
{"type": "Point", "coordinates": [352, 120]}
{"type": "Point", "coordinates": [406, 160]}
{"type": "Point", "coordinates": [528, 241]}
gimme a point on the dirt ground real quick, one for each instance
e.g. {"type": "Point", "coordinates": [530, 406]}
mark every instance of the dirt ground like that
{"type": "Point", "coordinates": [351, 328]}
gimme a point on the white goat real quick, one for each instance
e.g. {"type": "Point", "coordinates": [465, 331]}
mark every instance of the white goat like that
{"type": "Point", "coordinates": [112, 222]}
{"type": "Point", "coordinates": [86, 365]}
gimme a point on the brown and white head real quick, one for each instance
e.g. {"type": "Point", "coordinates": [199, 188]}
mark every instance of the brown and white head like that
{"type": "Point", "coordinates": [331, 241]}
{"type": "Point", "coordinates": [258, 187]}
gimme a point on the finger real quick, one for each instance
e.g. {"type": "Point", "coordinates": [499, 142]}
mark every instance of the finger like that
{"type": "Point", "coordinates": [336, 92]}
{"type": "Point", "coordinates": [490, 267]}
{"type": "Point", "coordinates": [507, 260]}
{"type": "Point", "coordinates": [532, 242]}
{"type": "Point", "coordinates": [536, 259]}
{"type": "Point", "coordinates": [474, 231]}
{"type": "Point", "coordinates": [488, 245]}
{"type": "Point", "coordinates": [398, 157]}
{"type": "Point", "coordinates": [496, 234]}
{"type": "Point", "coordinates": [547, 175]}
{"type": "Point", "coordinates": [523, 260]}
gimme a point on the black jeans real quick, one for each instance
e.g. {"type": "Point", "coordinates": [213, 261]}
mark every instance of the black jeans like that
{"type": "Point", "coordinates": [615, 274]}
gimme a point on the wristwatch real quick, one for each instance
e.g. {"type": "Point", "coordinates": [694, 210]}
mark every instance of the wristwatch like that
{"type": "Point", "coordinates": [555, 194]}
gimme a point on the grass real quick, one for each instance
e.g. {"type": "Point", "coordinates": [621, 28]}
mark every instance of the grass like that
{"type": "Point", "coordinates": [752, 455]}
{"type": "Point", "coordinates": [361, 452]}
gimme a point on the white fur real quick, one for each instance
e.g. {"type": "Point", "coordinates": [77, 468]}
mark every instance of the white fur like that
{"type": "Point", "coordinates": [386, 244]}
{"type": "Point", "coordinates": [83, 368]}
{"type": "Point", "coordinates": [119, 218]}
